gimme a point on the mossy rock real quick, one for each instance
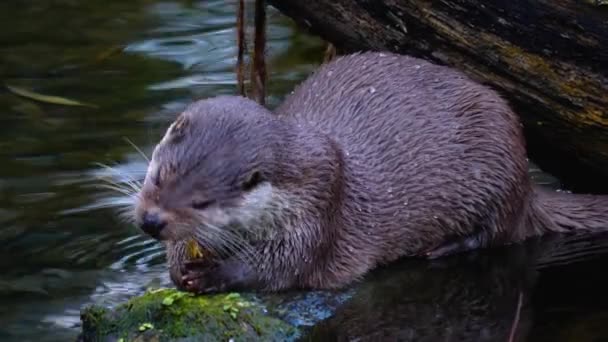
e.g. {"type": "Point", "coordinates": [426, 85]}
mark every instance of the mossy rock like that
{"type": "Point", "coordinates": [171, 315]}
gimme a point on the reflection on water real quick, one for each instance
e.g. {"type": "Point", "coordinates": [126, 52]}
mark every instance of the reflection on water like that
{"type": "Point", "coordinates": [476, 297]}
{"type": "Point", "coordinates": [141, 62]}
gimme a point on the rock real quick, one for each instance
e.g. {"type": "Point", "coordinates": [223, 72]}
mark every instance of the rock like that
{"type": "Point", "coordinates": [172, 315]}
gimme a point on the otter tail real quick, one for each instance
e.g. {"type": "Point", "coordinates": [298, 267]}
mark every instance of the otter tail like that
{"type": "Point", "coordinates": [566, 212]}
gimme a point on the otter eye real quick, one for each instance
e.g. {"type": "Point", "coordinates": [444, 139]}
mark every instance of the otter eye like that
{"type": "Point", "coordinates": [200, 205]}
{"type": "Point", "coordinates": [156, 178]}
{"type": "Point", "coordinates": [254, 180]}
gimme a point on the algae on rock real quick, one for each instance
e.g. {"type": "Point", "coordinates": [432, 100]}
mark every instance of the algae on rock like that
{"type": "Point", "coordinates": [172, 315]}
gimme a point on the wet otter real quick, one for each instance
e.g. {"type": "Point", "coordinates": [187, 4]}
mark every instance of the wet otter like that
{"type": "Point", "coordinates": [374, 157]}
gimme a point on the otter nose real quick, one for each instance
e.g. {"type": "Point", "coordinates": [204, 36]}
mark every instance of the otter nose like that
{"type": "Point", "coordinates": [152, 224]}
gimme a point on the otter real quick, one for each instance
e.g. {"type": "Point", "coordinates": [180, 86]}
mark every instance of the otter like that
{"type": "Point", "coordinates": [375, 157]}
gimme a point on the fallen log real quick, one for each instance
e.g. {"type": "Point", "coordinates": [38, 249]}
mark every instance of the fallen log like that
{"type": "Point", "coordinates": [548, 58]}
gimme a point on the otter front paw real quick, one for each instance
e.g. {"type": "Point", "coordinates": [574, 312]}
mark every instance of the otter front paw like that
{"type": "Point", "coordinates": [200, 277]}
{"type": "Point", "coordinates": [226, 275]}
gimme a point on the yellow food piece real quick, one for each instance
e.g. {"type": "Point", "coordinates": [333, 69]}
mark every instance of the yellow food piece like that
{"type": "Point", "coordinates": [194, 250]}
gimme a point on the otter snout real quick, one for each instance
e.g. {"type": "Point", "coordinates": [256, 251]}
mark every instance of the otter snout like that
{"type": "Point", "coordinates": [152, 224]}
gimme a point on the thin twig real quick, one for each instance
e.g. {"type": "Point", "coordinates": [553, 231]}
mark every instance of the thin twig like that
{"type": "Point", "coordinates": [240, 39]}
{"type": "Point", "coordinates": [258, 71]}
{"type": "Point", "coordinates": [516, 319]}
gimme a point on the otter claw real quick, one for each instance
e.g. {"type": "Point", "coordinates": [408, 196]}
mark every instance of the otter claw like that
{"type": "Point", "coordinates": [199, 281]}
{"type": "Point", "coordinates": [200, 276]}
{"type": "Point", "coordinates": [197, 272]}
{"type": "Point", "coordinates": [192, 282]}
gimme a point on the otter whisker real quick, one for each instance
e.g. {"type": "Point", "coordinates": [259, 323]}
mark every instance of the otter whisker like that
{"type": "Point", "coordinates": [111, 185]}
{"type": "Point", "coordinates": [128, 179]}
{"type": "Point", "coordinates": [207, 243]}
{"type": "Point", "coordinates": [225, 235]}
{"type": "Point", "coordinates": [129, 194]}
{"type": "Point", "coordinates": [137, 149]}
{"type": "Point", "coordinates": [230, 243]}
{"type": "Point", "coordinates": [235, 245]}
{"type": "Point", "coordinates": [125, 214]}
{"type": "Point", "coordinates": [216, 242]}
{"type": "Point", "coordinates": [240, 247]}
{"type": "Point", "coordinates": [122, 188]}
{"type": "Point", "coordinates": [128, 190]}
{"type": "Point", "coordinates": [124, 191]}
{"type": "Point", "coordinates": [132, 185]}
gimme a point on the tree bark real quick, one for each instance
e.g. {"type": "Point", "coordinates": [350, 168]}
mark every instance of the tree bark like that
{"type": "Point", "coordinates": [548, 58]}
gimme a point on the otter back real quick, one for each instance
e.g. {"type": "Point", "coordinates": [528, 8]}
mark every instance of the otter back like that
{"type": "Point", "coordinates": [431, 155]}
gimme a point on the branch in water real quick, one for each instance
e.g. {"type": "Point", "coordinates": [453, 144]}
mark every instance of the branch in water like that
{"type": "Point", "coordinates": [516, 318]}
{"type": "Point", "coordinates": [258, 71]}
{"type": "Point", "coordinates": [240, 39]}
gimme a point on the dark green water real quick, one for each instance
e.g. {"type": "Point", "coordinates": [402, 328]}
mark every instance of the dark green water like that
{"type": "Point", "coordinates": [58, 251]}
{"type": "Point", "coordinates": [141, 62]}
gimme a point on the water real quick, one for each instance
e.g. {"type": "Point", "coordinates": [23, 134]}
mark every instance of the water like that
{"type": "Point", "coordinates": [140, 62]}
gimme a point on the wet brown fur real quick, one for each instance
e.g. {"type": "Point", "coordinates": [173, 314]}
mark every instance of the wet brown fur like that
{"type": "Point", "coordinates": [375, 157]}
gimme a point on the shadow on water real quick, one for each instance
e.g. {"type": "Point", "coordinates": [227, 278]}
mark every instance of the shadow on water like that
{"type": "Point", "coordinates": [141, 62]}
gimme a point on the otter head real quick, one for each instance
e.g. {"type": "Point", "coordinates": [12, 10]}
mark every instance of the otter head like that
{"type": "Point", "coordinates": [213, 172]}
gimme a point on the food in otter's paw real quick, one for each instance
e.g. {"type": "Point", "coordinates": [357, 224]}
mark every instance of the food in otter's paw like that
{"type": "Point", "coordinates": [194, 250]}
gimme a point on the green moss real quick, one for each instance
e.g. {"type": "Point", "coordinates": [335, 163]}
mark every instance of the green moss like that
{"type": "Point", "coordinates": [167, 315]}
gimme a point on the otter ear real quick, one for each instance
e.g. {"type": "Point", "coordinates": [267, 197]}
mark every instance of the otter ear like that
{"type": "Point", "coordinates": [156, 177]}
{"type": "Point", "coordinates": [254, 180]}
{"type": "Point", "coordinates": [178, 128]}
